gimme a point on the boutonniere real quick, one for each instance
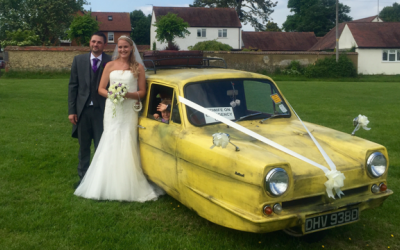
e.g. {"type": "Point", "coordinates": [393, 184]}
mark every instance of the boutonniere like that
{"type": "Point", "coordinates": [103, 65]}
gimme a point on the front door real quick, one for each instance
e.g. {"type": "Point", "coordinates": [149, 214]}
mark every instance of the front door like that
{"type": "Point", "coordinates": [158, 138]}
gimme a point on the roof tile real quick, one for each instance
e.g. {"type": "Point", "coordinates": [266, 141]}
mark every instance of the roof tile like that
{"type": "Point", "coordinates": [203, 17]}
{"type": "Point", "coordinates": [121, 21]}
{"type": "Point", "coordinates": [279, 41]}
{"type": "Point", "coordinates": [366, 34]}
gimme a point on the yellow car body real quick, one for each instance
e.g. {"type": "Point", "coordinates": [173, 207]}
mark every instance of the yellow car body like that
{"type": "Point", "coordinates": [228, 187]}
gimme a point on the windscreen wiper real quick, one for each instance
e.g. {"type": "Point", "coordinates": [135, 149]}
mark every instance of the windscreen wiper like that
{"type": "Point", "coordinates": [272, 116]}
{"type": "Point", "coordinates": [247, 116]}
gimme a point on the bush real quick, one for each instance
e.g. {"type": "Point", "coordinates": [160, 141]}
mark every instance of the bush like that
{"type": "Point", "coordinates": [295, 65]}
{"type": "Point", "coordinates": [212, 45]}
{"type": "Point", "coordinates": [328, 68]}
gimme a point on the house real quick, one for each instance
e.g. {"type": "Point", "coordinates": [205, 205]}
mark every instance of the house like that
{"type": "Point", "coordinates": [377, 45]}
{"type": "Point", "coordinates": [221, 24]}
{"type": "Point", "coordinates": [279, 41]}
{"type": "Point", "coordinates": [113, 25]}
{"type": "Point", "coordinates": [368, 20]}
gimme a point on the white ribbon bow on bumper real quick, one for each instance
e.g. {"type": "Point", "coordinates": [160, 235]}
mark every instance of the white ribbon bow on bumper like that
{"type": "Point", "coordinates": [335, 181]}
{"type": "Point", "coordinates": [335, 178]}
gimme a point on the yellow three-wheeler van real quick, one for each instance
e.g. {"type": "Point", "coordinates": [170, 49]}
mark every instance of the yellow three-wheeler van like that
{"type": "Point", "coordinates": [250, 185]}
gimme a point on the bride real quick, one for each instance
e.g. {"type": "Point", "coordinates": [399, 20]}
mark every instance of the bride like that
{"type": "Point", "coordinates": [115, 172]}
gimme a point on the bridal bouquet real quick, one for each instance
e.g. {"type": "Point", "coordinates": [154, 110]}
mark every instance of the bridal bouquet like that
{"type": "Point", "coordinates": [116, 93]}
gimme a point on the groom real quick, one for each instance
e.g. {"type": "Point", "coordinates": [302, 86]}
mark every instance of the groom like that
{"type": "Point", "coordinates": [85, 105]}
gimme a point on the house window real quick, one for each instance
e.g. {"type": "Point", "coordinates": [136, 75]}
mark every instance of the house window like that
{"type": "Point", "coordinates": [391, 55]}
{"type": "Point", "coordinates": [201, 33]}
{"type": "Point", "coordinates": [110, 18]}
{"type": "Point", "coordinates": [111, 37]}
{"type": "Point", "coordinates": [222, 33]}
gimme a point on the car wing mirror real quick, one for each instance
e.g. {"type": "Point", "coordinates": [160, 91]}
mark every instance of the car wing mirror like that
{"type": "Point", "coordinates": [222, 140]}
{"type": "Point", "coordinates": [360, 121]}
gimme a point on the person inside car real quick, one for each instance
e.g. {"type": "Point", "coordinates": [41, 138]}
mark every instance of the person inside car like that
{"type": "Point", "coordinates": [165, 113]}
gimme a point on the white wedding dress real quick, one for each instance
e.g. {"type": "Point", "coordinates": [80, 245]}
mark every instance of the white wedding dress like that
{"type": "Point", "coordinates": [115, 172]}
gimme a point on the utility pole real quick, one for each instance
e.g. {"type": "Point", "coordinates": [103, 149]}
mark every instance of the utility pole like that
{"type": "Point", "coordinates": [337, 31]}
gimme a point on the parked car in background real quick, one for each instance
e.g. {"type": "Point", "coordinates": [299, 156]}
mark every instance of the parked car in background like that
{"type": "Point", "coordinates": [2, 64]}
{"type": "Point", "coordinates": [249, 185]}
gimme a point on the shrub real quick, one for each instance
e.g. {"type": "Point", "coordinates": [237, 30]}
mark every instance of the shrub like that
{"type": "Point", "coordinates": [295, 65]}
{"type": "Point", "coordinates": [328, 68]}
{"type": "Point", "coordinates": [212, 45]}
{"type": "Point", "coordinates": [290, 72]}
{"type": "Point", "coordinates": [154, 46]}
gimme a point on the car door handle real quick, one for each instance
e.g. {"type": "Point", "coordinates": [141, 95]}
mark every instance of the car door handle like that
{"type": "Point", "coordinates": [140, 126]}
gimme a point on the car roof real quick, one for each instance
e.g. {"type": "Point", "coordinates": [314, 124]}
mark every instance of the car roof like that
{"type": "Point", "coordinates": [180, 77]}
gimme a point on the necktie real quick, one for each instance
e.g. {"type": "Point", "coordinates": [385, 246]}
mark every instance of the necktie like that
{"type": "Point", "coordinates": [94, 66]}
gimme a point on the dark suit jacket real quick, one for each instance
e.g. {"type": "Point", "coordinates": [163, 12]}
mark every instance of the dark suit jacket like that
{"type": "Point", "coordinates": [79, 85]}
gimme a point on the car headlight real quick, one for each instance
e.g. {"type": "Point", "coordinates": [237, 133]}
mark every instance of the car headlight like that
{"type": "Point", "coordinates": [277, 181]}
{"type": "Point", "coordinates": [376, 164]}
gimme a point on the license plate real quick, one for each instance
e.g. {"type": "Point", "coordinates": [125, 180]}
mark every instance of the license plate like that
{"type": "Point", "coordinates": [330, 220]}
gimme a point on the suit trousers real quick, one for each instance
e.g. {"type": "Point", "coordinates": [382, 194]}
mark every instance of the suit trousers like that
{"type": "Point", "coordinates": [90, 127]}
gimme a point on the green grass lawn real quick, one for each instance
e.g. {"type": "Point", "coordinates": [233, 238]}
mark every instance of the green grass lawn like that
{"type": "Point", "coordinates": [38, 160]}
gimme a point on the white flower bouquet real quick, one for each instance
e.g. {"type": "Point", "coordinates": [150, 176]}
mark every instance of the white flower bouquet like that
{"type": "Point", "coordinates": [116, 93]}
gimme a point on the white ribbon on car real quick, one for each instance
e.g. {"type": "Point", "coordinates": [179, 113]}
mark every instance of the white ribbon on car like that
{"type": "Point", "coordinates": [220, 140]}
{"type": "Point", "coordinates": [362, 122]}
{"type": "Point", "coordinates": [335, 178]}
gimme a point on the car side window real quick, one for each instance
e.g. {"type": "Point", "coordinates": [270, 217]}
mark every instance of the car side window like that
{"type": "Point", "coordinates": [158, 94]}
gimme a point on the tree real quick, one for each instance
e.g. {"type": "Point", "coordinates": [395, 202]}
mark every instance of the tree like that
{"type": "Point", "coordinates": [20, 38]}
{"type": "Point", "coordinates": [391, 13]}
{"type": "Point", "coordinates": [169, 27]}
{"type": "Point", "coordinates": [140, 27]}
{"type": "Point", "coordinates": [255, 12]}
{"type": "Point", "coordinates": [46, 18]}
{"type": "Point", "coordinates": [318, 16]}
{"type": "Point", "coordinates": [271, 26]}
{"type": "Point", "coordinates": [82, 28]}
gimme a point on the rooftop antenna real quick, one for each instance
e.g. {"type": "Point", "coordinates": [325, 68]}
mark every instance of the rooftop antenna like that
{"type": "Point", "coordinates": [378, 10]}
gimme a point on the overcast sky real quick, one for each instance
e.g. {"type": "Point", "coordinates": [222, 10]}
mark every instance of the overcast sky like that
{"type": "Point", "coordinates": [359, 8]}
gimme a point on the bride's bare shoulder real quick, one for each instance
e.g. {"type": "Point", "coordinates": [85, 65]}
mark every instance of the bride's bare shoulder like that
{"type": "Point", "coordinates": [110, 65]}
{"type": "Point", "coordinates": [140, 67]}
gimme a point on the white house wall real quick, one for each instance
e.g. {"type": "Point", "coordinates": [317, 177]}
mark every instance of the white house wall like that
{"type": "Point", "coordinates": [370, 63]}
{"type": "Point", "coordinates": [346, 40]}
{"type": "Point", "coordinates": [233, 37]}
{"type": "Point", "coordinates": [152, 32]}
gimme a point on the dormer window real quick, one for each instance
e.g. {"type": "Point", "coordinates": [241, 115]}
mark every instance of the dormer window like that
{"type": "Point", "coordinates": [110, 18]}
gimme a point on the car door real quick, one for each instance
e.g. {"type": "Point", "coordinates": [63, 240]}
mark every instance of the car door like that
{"type": "Point", "coordinates": [158, 140]}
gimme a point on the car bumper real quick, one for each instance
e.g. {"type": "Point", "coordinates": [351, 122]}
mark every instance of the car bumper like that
{"type": "Point", "coordinates": [294, 217]}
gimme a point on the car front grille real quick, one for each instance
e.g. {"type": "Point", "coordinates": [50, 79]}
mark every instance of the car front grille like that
{"type": "Point", "coordinates": [321, 199]}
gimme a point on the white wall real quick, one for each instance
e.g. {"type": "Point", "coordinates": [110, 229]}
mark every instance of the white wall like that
{"type": "Point", "coordinates": [370, 62]}
{"type": "Point", "coordinates": [346, 39]}
{"type": "Point", "coordinates": [233, 37]}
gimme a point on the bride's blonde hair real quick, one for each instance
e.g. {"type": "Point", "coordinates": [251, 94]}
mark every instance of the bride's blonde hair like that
{"type": "Point", "coordinates": [133, 64]}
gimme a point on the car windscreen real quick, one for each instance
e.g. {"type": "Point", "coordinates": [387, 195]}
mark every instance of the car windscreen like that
{"type": "Point", "coordinates": [235, 99]}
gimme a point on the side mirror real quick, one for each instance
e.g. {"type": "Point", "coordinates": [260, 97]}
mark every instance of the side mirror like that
{"type": "Point", "coordinates": [360, 121]}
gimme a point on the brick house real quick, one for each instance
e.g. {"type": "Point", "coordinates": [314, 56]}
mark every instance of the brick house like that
{"type": "Point", "coordinates": [113, 25]}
